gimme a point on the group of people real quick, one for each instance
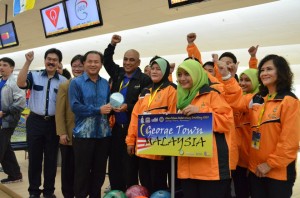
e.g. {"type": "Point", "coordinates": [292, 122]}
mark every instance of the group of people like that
{"type": "Point", "coordinates": [256, 123]}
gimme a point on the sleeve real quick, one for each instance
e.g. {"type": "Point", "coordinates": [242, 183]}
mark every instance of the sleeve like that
{"type": "Point", "coordinates": [19, 101]}
{"type": "Point", "coordinates": [253, 62]}
{"type": "Point", "coordinates": [110, 66]}
{"type": "Point", "coordinates": [223, 120]}
{"type": "Point", "coordinates": [218, 74]}
{"type": "Point", "coordinates": [233, 95]}
{"type": "Point", "coordinates": [76, 102]}
{"type": "Point", "coordinates": [288, 142]}
{"type": "Point", "coordinates": [29, 81]}
{"type": "Point", "coordinates": [194, 52]}
{"type": "Point", "coordinates": [60, 112]}
{"type": "Point", "coordinates": [133, 126]}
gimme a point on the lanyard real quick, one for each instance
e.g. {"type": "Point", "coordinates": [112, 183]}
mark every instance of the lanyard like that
{"type": "Point", "coordinates": [152, 95]}
{"type": "Point", "coordinates": [261, 114]}
{"type": "Point", "coordinates": [123, 87]}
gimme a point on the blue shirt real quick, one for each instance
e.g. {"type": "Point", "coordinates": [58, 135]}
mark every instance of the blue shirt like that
{"type": "Point", "coordinates": [86, 97]}
{"type": "Point", "coordinates": [42, 99]}
{"type": "Point", "coordinates": [2, 83]}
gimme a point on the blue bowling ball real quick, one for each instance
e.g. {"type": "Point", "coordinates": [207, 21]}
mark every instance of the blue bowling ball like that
{"type": "Point", "coordinates": [161, 194]}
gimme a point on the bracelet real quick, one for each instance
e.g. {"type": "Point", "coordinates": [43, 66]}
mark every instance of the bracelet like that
{"type": "Point", "coordinates": [226, 77]}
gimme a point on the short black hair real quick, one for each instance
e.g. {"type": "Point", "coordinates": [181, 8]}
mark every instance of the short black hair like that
{"type": "Point", "coordinates": [209, 63]}
{"type": "Point", "coordinates": [10, 61]}
{"type": "Point", "coordinates": [92, 52]}
{"type": "Point", "coordinates": [54, 51]}
{"type": "Point", "coordinates": [192, 58]}
{"type": "Point", "coordinates": [77, 57]}
{"type": "Point", "coordinates": [229, 55]}
{"type": "Point", "coordinates": [66, 74]}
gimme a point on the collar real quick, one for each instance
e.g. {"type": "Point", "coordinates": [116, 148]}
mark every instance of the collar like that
{"type": "Point", "coordinates": [134, 75]}
{"type": "Point", "coordinates": [86, 77]}
{"type": "Point", "coordinates": [56, 75]}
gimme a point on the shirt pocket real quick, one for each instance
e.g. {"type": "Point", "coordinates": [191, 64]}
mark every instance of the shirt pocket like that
{"type": "Point", "coordinates": [38, 87]}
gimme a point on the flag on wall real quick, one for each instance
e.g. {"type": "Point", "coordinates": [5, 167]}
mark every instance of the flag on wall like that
{"type": "Point", "coordinates": [22, 6]}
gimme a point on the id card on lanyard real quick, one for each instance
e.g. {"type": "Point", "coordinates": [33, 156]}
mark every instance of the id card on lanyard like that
{"type": "Point", "coordinates": [256, 135]}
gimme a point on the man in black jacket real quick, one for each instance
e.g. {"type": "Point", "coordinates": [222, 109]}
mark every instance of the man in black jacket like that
{"type": "Point", "coordinates": [129, 81]}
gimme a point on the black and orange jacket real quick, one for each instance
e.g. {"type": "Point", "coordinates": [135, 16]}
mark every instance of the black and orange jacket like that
{"type": "Point", "coordinates": [243, 137]}
{"type": "Point", "coordinates": [194, 52]}
{"type": "Point", "coordinates": [218, 166]}
{"type": "Point", "coordinates": [163, 102]}
{"type": "Point", "coordinates": [279, 128]}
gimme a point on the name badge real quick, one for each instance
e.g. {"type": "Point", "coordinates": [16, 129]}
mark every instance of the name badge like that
{"type": "Point", "coordinates": [255, 143]}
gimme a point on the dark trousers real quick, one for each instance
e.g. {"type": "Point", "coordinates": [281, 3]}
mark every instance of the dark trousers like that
{"type": "Point", "coordinates": [241, 182]}
{"type": "Point", "coordinates": [67, 171]}
{"type": "Point", "coordinates": [152, 174]}
{"type": "Point", "coordinates": [270, 188]}
{"type": "Point", "coordinates": [8, 158]}
{"type": "Point", "coordinates": [193, 188]}
{"type": "Point", "coordinates": [42, 145]}
{"type": "Point", "coordinates": [90, 157]}
{"type": "Point", "coordinates": [123, 169]}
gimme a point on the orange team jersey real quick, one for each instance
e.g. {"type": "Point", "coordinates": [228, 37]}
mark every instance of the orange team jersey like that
{"type": "Point", "coordinates": [218, 166]}
{"type": "Point", "coordinates": [164, 101]}
{"type": "Point", "coordinates": [243, 137]}
{"type": "Point", "coordinates": [279, 129]}
{"type": "Point", "coordinates": [194, 52]}
{"type": "Point", "coordinates": [253, 62]}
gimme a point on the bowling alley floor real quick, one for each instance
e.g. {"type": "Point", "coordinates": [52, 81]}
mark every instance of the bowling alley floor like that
{"type": "Point", "coordinates": [21, 188]}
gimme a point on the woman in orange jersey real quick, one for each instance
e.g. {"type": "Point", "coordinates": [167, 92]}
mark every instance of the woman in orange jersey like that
{"type": "Point", "coordinates": [204, 177]}
{"type": "Point", "coordinates": [248, 81]}
{"type": "Point", "coordinates": [274, 114]}
{"type": "Point", "coordinates": [160, 97]}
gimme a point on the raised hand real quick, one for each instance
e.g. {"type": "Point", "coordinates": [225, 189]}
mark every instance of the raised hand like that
{"type": "Point", "coordinates": [223, 68]}
{"type": "Point", "coordinates": [215, 58]}
{"type": "Point", "coordinates": [115, 39]}
{"type": "Point", "coordinates": [253, 50]}
{"type": "Point", "coordinates": [29, 56]}
{"type": "Point", "coordinates": [233, 67]}
{"type": "Point", "coordinates": [191, 37]}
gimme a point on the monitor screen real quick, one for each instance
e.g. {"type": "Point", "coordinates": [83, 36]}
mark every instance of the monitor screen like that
{"type": "Point", "coordinates": [54, 20]}
{"type": "Point", "coordinates": [8, 35]}
{"type": "Point", "coordinates": [177, 3]}
{"type": "Point", "coordinates": [83, 14]}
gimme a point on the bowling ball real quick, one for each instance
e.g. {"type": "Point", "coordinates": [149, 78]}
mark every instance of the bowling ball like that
{"type": "Point", "coordinates": [136, 190]}
{"type": "Point", "coordinates": [115, 194]}
{"type": "Point", "coordinates": [161, 194]}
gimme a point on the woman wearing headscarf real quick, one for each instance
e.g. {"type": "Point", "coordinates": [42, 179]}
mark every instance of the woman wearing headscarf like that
{"type": "Point", "coordinates": [204, 177]}
{"type": "Point", "coordinates": [248, 81]}
{"type": "Point", "coordinates": [160, 97]}
{"type": "Point", "coordinates": [274, 114]}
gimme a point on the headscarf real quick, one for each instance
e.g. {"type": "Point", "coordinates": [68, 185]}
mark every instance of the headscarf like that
{"type": "Point", "coordinates": [253, 76]}
{"type": "Point", "coordinates": [199, 77]}
{"type": "Point", "coordinates": [165, 69]}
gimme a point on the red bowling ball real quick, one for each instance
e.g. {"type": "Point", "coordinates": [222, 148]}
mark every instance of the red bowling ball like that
{"type": "Point", "coordinates": [136, 191]}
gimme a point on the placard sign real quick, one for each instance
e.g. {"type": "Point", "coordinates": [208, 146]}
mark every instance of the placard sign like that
{"type": "Point", "coordinates": [175, 135]}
